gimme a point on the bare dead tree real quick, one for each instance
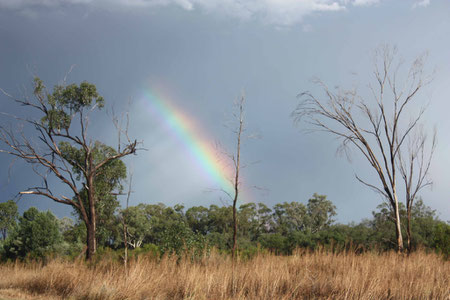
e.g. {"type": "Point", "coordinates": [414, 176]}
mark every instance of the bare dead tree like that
{"type": "Point", "coordinates": [377, 128]}
{"type": "Point", "coordinates": [414, 163]}
{"type": "Point", "coordinates": [237, 166]}
{"type": "Point", "coordinates": [62, 149]}
{"type": "Point", "coordinates": [235, 158]}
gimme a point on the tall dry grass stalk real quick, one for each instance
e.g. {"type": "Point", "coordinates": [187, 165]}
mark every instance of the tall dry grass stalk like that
{"type": "Point", "coordinates": [304, 275]}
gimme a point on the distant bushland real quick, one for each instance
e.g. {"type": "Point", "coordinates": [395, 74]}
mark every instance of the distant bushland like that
{"type": "Point", "coordinates": [157, 230]}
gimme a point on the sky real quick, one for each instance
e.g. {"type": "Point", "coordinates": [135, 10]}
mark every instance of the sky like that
{"type": "Point", "coordinates": [178, 66]}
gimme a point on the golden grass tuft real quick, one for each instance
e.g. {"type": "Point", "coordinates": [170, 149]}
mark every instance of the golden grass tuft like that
{"type": "Point", "coordinates": [304, 275]}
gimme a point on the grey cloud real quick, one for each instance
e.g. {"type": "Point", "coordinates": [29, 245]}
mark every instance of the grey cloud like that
{"type": "Point", "coordinates": [277, 12]}
{"type": "Point", "coordinates": [27, 4]}
{"type": "Point", "coordinates": [422, 3]}
{"type": "Point", "coordinates": [365, 2]}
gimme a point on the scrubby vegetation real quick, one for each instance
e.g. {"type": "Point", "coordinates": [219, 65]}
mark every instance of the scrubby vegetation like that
{"type": "Point", "coordinates": [176, 230]}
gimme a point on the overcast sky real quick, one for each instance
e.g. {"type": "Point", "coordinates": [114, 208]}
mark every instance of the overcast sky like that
{"type": "Point", "coordinates": [202, 55]}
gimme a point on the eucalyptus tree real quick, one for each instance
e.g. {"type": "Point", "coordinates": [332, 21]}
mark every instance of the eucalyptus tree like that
{"type": "Point", "coordinates": [290, 217]}
{"type": "Point", "coordinates": [255, 219]}
{"type": "Point", "coordinates": [379, 126]}
{"type": "Point", "coordinates": [320, 213]}
{"type": "Point", "coordinates": [36, 236]}
{"type": "Point", "coordinates": [61, 148]}
{"type": "Point", "coordinates": [197, 217]}
{"type": "Point", "coordinates": [139, 225]}
{"type": "Point", "coordinates": [8, 217]}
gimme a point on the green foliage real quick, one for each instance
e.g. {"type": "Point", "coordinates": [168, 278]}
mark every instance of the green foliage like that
{"type": "Point", "coordinates": [320, 213]}
{"type": "Point", "coordinates": [423, 222]}
{"type": "Point", "coordinates": [299, 239]}
{"type": "Point", "coordinates": [221, 241]}
{"type": "Point", "coordinates": [8, 217]}
{"type": "Point", "coordinates": [164, 226]}
{"type": "Point", "coordinates": [179, 239]}
{"type": "Point", "coordinates": [290, 217]}
{"type": "Point", "coordinates": [155, 230]}
{"type": "Point", "coordinates": [76, 233]}
{"type": "Point", "coordinates": [247, 249]}
{"type": "Point", "coordinates": [441, 238]}
{"type": "Point", "coordinates": [139, 226]}
{"type": "Point", "coordinates": [162, 220]}
{"type": "Point", "coordinates": [107, 183]}
{"type": "Point", "coordinates": [221, 219]}
{"type": "Point", "coordinates": [275, 242]}
{"type": "Point", "coordinates": [65, 102]}
{"type": "Point", "coordinates": [37, 236]}
{"type": "Point", "coordinates": [254, 220]}
{"type": "Point", "coordinates": [295, 216]}
{"type": "Point", "coordinates": [198, 219]}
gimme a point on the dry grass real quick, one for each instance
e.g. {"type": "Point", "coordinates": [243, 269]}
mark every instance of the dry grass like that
{"type": "Point", "coordinates": [316, 275]}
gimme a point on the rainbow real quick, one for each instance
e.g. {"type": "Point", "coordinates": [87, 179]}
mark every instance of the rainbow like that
{"type": "Point", "coordinates": [185, 129]}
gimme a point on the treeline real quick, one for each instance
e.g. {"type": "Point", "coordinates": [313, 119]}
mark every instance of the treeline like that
{"type": "Point", "coordinates": [176, 230]}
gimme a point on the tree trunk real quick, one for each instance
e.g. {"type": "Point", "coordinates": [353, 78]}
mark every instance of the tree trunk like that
{"type": "Point", "coordinates": [408, 230]}
{"type": "Point", "coordinates": [236, 178]}
{"type": "Point", "coordinates": [233, 250]}
{"type": "Point", "coordinates": [91, 240]}
{"type": "Point", "coordinates": [398, 227]}
{"type": "Point", "coordinates": [92, 227]}
{"type": "Point", "coordinates": [125, 242]}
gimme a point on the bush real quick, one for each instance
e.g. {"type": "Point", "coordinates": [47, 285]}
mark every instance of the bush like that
{"type": "Point", "coordinates": [274, 242]}
{"type": "Point", "coordinates": [442, 239]}
{"type": "Point", "coordinates": [36, 237]}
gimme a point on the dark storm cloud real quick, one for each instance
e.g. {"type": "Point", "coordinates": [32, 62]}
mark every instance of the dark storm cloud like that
{"type": "Point", "coordinates": [206, 62]}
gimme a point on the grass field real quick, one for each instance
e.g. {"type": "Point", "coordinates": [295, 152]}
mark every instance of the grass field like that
{"type": "Point", "coordinates": [318, 275]}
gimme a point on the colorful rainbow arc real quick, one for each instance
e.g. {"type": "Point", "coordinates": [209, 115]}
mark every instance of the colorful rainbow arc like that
{"type": "Point", "coordinates": [185, 130]}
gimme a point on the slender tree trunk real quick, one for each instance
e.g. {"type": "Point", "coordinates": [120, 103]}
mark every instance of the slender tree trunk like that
{"type": "Point", "coordinates": [398, 227]}
{"type": "Point", "coordinates": [125, 241]}
{"type": "Point", "coordinates": [236, 177]}
{"type": "Point", "coordinates": [408, 229]}
{"type": "Point", "coordinates": [92, 227]}
{"type": "Point", "coordinates": [236, 194]}
{"type": "Point", "coordinates": [125, 232]}
{"type": "Point", "coordinates": [233, 250]}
